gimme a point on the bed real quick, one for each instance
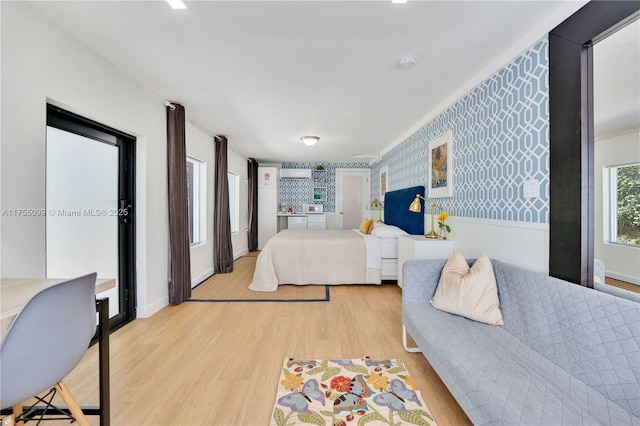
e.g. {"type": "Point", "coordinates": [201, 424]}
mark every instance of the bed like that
{"type": "Point", "coordinates": [334, 257]}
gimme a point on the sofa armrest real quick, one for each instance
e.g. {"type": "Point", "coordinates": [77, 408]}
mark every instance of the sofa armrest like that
{"type": "Point", "coordinates": [598, 271]}
{"type": "Point", "coordinates": [419, 280]}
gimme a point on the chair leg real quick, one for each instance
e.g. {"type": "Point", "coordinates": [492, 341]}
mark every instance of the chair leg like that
{"type": "Point", "coordinates": [73, 406]}
{"type": "Point", "coordinates": [17, 412]}
{"type": "Point", "coordinates": [404, 341]}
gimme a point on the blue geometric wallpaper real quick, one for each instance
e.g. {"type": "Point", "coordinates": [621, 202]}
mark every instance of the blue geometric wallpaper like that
{"type": "Point", "coordinates": [296, 192]}
{"type": "Point", "coordinates": [500, 135]}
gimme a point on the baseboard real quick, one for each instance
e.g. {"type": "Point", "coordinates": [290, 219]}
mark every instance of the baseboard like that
{"type": "Point", "coordinates": [621, 277]}
{"type": "Point", "coordinates": [237, 256]}
{"type": "Point", "coordinates": [147, 311]}
{"type": "Point", "coordinates": [202, 277]}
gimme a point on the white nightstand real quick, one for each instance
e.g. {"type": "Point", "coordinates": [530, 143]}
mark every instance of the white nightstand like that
{"type": "Point", "coordinates": [420, 247]}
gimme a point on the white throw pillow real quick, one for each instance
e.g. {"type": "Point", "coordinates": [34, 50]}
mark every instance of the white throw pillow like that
{"type": "Point", "coordinates": [469, 292]}
{"type": "Point", "coordinates": [389, 231]}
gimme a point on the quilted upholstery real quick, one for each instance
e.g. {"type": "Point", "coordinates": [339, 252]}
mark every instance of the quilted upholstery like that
{"type": "Point", "coordinates": [566, 354]}
{"type": "Point", "coordinates": [396, 210]}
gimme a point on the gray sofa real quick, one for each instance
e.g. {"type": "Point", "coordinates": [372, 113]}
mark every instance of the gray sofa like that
{"type": "Point", "coordinates": [599, 283]}
{"type": "Point", "coordinates": [565, 355]}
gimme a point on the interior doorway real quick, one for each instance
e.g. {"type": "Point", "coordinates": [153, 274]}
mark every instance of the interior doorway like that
{"type": "Point", "coordinates": [90, 198]}
{"type": "Point", "coordinates": [352, 197]}
{"type": "Point", "coordinates": [616, 112]}
{"type": "Point", "coordinates": [571, 133]}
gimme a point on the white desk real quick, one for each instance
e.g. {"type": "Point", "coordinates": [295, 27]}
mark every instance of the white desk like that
{"type": "Point", "coordinates": [16, 292]}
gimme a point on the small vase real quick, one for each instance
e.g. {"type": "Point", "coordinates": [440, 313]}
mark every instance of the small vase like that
{"type": "Point", "coordinates": [443, 234]}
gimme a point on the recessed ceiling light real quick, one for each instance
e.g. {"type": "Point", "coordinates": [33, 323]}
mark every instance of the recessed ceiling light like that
{"type": "Point", "coordinates": [407, 62]}
{"type": "Point", "coordinates": [310, 140]}
{"type": "Point", "coordinates": [399, 1]}
{"type": "Point", "coordinates": [177, 4]}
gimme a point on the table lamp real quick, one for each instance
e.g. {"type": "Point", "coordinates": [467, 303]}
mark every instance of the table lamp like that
{"type": "Point", "coordinates": [377, 204]}
{"type": "Point", "coordinates": [416, 207]}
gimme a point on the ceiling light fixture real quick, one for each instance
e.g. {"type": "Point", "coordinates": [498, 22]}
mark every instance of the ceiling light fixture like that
{"type": "Point", "coordinates": [407, 62]}
{"type": "Point", "coordinates": [399, 1]}
{"type": "Point", "coordinates": [310, 140]}
{"type": "Point", "coordinates": [177, 4]}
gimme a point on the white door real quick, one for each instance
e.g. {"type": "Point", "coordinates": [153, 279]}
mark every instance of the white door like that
{"type": "Point", "coordinates": [352, 197]}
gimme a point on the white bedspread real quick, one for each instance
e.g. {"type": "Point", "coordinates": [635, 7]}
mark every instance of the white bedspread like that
{"type": "Point", "coordinates": [316, 257]}
{"type": "Point", "coordinates": [373, 246]}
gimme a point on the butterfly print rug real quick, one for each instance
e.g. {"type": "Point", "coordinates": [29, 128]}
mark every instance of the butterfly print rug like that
{"type": "Point", "coordinates": [344, 392]}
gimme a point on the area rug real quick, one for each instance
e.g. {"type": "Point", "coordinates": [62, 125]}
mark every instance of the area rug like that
{"type": "Point", "coordinates": [234, 287]}
{"type": "Point", "coordinates": [342, 392]}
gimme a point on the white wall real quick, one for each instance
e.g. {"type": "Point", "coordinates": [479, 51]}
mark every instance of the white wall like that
{"type": "Point", "coordinates": [519, 243]}
{"type": "Point", "coordinates": [621, 262]}
{"type": "Point", "coordinates": [201, 147]}
{"type": "Point", "coordinates": [40, 64]}
{"type": "Point", "coordinates": [237, 164]}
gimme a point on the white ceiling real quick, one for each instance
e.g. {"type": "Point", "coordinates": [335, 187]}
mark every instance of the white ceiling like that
{"type": "Point", "coordinates": [265, 73]}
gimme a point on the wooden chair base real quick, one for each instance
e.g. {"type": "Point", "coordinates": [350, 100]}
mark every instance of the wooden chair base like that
{"type": "Point", "coordinates": [73, 406]}
{"type": "Point", "coordinates": [17, 414]}
{"type": "Point", "coordinates": [68, 399]}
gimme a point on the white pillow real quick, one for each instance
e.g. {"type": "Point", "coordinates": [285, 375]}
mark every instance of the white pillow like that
{"type": "Point", "coordinates": [377, 224]}
{"type": "Point", "coordinates": [469, 292]}
{"type": "Point", "coordinates": [389, 231]}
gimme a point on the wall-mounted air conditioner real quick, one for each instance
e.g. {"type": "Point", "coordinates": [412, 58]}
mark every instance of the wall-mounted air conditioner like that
{"type": "Point", "coordinates": [295, 173]}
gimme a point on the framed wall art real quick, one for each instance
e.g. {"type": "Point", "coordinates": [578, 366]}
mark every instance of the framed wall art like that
{"type": "Point", "coordinates": [440, 182]}
{"type": "Point", "coordinates": [384, 173]}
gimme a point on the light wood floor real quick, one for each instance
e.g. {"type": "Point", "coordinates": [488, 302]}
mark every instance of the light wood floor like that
{"type": "Point", "coordinates": [219, 363]}
{"type": "Point", "coordinates": [622, 284]}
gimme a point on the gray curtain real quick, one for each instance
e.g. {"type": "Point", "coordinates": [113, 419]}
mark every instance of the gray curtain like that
{"type": "Point", "coordinates": [223, 255]}
{"type": "Point", "coordinates": [252, 173]}
{"type": "Point", "coordinates": [179, 256]}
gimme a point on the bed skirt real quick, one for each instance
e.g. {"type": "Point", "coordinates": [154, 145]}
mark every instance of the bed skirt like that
{"type": "Point", "coordinates": [304, 257]}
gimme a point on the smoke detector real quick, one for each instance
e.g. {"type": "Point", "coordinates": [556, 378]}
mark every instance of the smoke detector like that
{"type": "Point", "coordinates": [407, 62]}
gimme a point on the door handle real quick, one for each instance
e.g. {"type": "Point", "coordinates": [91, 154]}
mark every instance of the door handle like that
{"type": "Point", "coordinates": [125, 211]}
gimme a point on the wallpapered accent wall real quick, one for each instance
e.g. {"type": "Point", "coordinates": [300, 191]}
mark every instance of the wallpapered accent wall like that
{"type": "Point", "coordinates": [296, 192]}
{"type": "Point", "coordinates": [500, 140]}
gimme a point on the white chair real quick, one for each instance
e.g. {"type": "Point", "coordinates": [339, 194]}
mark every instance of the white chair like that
{"type": "Point", "coordinates": [45, 341]}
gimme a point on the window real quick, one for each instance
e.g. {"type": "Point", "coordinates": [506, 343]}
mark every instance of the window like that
{"type": "Point", "coordinates": [196, 197]}
{"type": "Point", "coordinates": [624, 204]}
{"type": "Point", "coordinates": [234, 201]}
{"type": "Point", "coordinates": [246, 204]}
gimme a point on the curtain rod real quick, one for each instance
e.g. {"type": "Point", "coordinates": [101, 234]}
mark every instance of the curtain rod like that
{"type": "Point", "coordinates": [193, 121]}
